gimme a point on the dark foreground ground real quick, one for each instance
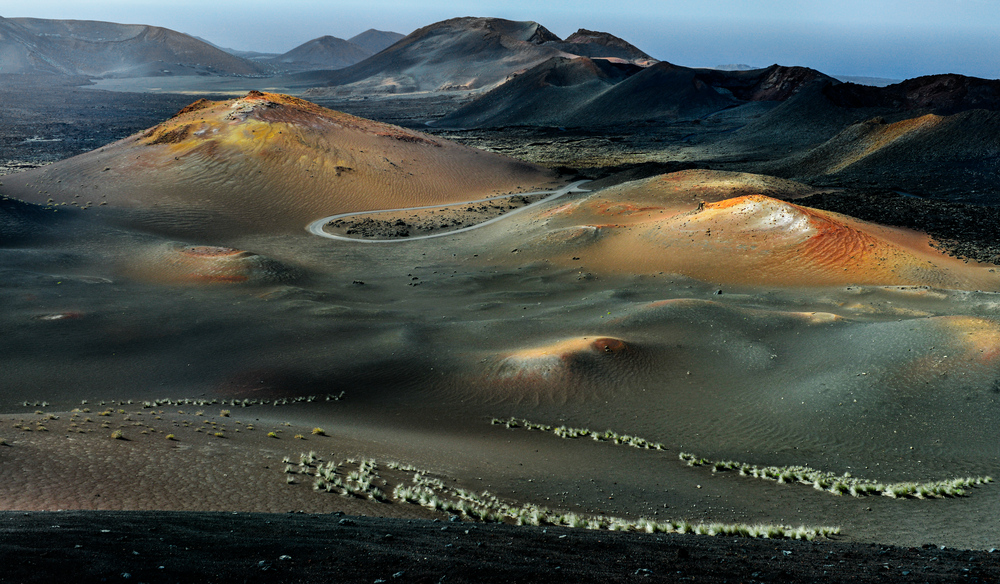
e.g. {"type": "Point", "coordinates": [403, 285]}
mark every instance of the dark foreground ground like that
{"type": "Point", "coordinates": [228, 547]}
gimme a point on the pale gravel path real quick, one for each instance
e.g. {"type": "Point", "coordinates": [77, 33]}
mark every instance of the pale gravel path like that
{"type": "Point", "coordinates": [316, 227]}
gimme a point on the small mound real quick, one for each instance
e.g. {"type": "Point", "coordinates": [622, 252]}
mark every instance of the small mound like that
{"type": "Point", "coordinates": [569, 369]}
{"type": "Point", "coordinates": [178, 263]}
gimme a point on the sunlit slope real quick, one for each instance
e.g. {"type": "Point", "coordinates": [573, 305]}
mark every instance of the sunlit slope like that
{"type": "Point", "coordinates": [861, 141]}
{"type": "Point", "coordinates": [270, 163]}
{"type": "Point", "coordinates": [709, 228]}
{"type": "Point", "coordinates": [945, 156]}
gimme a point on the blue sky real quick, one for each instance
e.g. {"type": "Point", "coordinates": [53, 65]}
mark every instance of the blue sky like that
{"type": "Point", "coordinates": [881, 38]}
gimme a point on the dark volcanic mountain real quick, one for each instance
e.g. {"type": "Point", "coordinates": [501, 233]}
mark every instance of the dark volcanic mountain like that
{"type": "Point", "coordinates": [825, 108]}
{"type": "Point", "coordinates": [942, 94]}
{"type": "Point", "coordinates": [578, 92]}
{"type": "Point", "coordinates": [376, 41]}
{"type": "Point", "coordinates": [952, 157]}
{"type": "Point", "coordinates": [105, 49]}
{"type": "Point", "coordinates": [326, 52]}
{"type": "Point", "coordinates": [589, 43]}
{"type": "Point", "coordinates": [465, 54]}
{"type": "Point", "coordinates": [461, 53]}
{"type": "Point", "coordinates": [541, 95]}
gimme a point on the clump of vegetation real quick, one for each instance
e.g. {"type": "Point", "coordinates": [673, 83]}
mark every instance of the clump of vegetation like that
{"type": "Point", "coordinates": [824, 481]}
{"type": "Point", "coordinates": [224, 413]}
{"type": "Point", "coordinates": [318, 432]}
{"type": "Point", "coordinates": [361, 479]}
{"type": "Point", "coordinates": [171, 437]}
{"type": "Point", "coordinates": [843, 484]}
{"type": "Point", "coordinates": [118, 435]}
{"type": "Point", "coordinates": [569, 433]}
{"type": "Point", "coordinates": [272, 435]}
{"type": "Point", "coordinates": [243, 403]}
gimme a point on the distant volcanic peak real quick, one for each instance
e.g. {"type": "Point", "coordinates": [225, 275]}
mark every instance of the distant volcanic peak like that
{"type": "Point", "coordinates": [584, 36]}
{"type": "Point", "coordinates": [326, 52]}
{"type": "Point", "coordinates": [374, 41]}
{"type": "Point", "coordinates": [780, 83]}
{"type": "Point", "coordinates": [195, 121]}
{"type": "Point", "coordinates": [525, 31]}
{"type": "Point", "coordinates": [774, 83]}
{"type": "Point", "coordinates": [329, 40]}
{"type": "Point", "coordinates": [541, 35]}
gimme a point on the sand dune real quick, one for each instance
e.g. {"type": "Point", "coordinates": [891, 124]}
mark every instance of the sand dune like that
{"type": "Point", "coordinates": [269, 162]}
{"type": "Point", "coordinates": [747, 239]}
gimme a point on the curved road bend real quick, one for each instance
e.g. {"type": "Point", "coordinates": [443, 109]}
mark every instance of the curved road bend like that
{"type": "Point", "coordinates": [316, 227]}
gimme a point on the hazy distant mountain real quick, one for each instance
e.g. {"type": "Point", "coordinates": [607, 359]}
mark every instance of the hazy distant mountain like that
{"type": "Point", "coordinates": [585, 92]}
{"type": "Point", "coordinates": [237, 52]}
{"type": "Point", "coordinates": [105, 49]}
{"type": "Point", "coordinates": [735, 67]}
{"type": "Point", "coordinates": [326, 52]}
{"type": "Point", "coordinates": [873, 81]}
{"type": "Point", "coordinates": [376, 41]}
{"type": "Point", "coordinates": [466, 53]}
